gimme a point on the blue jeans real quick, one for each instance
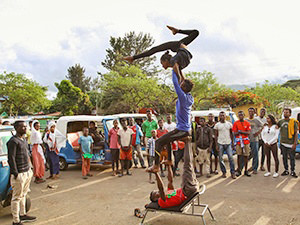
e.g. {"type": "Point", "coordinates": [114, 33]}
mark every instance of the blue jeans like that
{"type": "Point", "coordinates": [254, 152]}
{"type": "Point", "coordinates": [228, 150]}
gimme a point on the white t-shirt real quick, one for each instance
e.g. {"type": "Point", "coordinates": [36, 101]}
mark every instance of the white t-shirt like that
{"type": "Point", "coordinates": [125, 136]}
{"type": "Point", "coordinates": [170, 127]}
{"type": "Point", "coordinates": [223, 132]}
{"type": "Point", "coordinates": [270, 134]}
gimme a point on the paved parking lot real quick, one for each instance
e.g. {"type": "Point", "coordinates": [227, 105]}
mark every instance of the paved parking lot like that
{"type": "Point", "coordinates": [104, 199]}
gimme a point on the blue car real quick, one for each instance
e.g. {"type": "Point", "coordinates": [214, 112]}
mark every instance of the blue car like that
{"type": "Point", "coordinates": [70, 129]}
{"type": "Point", "coordinates": [6, 133]}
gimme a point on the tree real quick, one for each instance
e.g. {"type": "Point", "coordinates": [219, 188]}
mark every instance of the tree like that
{"type": "Point", "coordinates": [129, 45]}
{"type": "Point", "coordinates": [22, 94]}
{"type": "Point", "coordinates": [129, 89]}
{"type": "Point", "coordinates": [71, 100]}
{"type": "Point", "coordinates": [234, 99]}
{"type": "Point", "coordinates": [77, 77]}
{"type": "Point", "coordinates": [294, 84]}
{"type": "Point", "coordinates": [277, 96]}
{"type": "Point", "coordinates": [205, 86]}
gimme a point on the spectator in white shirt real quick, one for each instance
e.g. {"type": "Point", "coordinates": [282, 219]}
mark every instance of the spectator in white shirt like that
{"type": "Point", "coordinates": [269, 136]}
{"type": "Point", "coordinates": [169, 125]}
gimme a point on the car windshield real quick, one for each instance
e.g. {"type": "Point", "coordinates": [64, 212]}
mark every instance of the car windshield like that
{"type": "Point", "coordinates": [4, 137]}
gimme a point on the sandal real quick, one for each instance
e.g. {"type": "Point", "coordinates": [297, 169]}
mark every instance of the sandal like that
{"type": "Point", "coordinates": [138, 213]}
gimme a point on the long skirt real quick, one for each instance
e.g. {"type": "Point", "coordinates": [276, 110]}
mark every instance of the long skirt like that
{"type": "Point", "coordinates": [38, 161]}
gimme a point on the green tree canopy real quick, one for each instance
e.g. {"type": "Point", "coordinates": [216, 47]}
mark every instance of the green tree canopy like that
{"type": "Point", "coordinates": [22, 94]}
{"type": "Point", "coordinates": [129, 45]}
{"type": "Point", "coordinates": [277, 96]}
{"type": "Point", "coordinates": [294, 84]}
{"type": "Point", "coordinates": [205, 86]}
{"type": "Point", "coordinates": [77, 77]}
{"type": "Point", "coordinates": [128, 89]}
{"type": "Point", "coordinates": [71, 100]}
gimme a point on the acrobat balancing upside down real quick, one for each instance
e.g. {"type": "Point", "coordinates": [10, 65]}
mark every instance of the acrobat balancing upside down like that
{"type": "Point", "coordinates": [184, 104]}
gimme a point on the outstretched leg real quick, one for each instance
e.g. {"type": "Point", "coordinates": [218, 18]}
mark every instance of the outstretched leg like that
{"type": "Point", "coordinates": [171, 45]}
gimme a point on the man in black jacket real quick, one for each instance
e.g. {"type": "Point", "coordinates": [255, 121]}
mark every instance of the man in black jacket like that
{"type": "Point", "coordinates": [21, 173]}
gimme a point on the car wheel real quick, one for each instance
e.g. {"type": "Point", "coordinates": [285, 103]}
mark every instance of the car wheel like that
{"type": "Point", "coordinates": [63, 165]}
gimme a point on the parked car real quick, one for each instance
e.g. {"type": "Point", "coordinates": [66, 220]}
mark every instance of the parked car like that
{"type": "Point", "coordinates": [70, 129]}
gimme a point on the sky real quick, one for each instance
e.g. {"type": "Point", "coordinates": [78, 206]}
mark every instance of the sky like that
{"type": "Point", "coordinates": [241, 42]}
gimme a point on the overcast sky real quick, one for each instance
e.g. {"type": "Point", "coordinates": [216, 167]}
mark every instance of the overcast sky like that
{"type": "Point", "coordinates": [241, 42]}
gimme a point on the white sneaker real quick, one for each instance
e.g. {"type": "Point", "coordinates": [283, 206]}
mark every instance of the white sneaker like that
{"type": "Point", "coordinates": [267, 174]}
{"type": "Point", "coordinates": [275, 175]}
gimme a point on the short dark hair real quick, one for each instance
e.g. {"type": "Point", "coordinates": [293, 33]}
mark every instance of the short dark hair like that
{"type": "Point", "coordinates": [188, 84]}
{"type": "Point", "coordinates": [151, 197]}
{"type": "Point", "coordinates": [161, 120]}
{"type": "Point", "coordinates": [17, 123]}
{"type": "Point", "coordinates": [92, 122]}
{"type": "Point", "coordinates": [241, 112]}
{"type": "Point", "coordinates": [251, 108]}
{"type": "Point", "coordinates": [202, 118]}
{"type": "Point", "coordinates": [289, 109]}
{"type": "Point", "coordinates": [166, 57]}
{"type": "Point", "coordinates": [222, 112]}
{"type": "Point", "coordinates": [210, 114]}
{"type": "Point", "coordinates": [30, 121]}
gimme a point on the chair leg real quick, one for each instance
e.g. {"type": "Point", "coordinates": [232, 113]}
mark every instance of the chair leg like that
{"type": "Point", "coordinates": [144, 217]}
{"type": "Point", "coordinates": [203, 220]}
{"type": "Point", "coordinates": [212, 217]}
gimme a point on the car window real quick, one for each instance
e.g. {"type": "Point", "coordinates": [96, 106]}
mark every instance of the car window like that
{"type": "Point", "coordinates": [109, 124]}
{"type": "Point", "coordinates": [4, 137]}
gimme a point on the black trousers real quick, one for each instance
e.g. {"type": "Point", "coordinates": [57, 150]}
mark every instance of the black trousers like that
{"type": "Point", "coordinates": [171, 45]}
{"type": "Point", "coordinates": [178, 156]}
{"type": "Point", "coordinates": [166, 139]}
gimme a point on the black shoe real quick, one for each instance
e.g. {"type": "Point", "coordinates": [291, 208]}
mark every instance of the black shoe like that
{"type": "Point", "coordinates": [285, 173]}
{"type": "Point", "coordinates": [128, 173]}
{"type": "Point", "coordinates": [27, 218]}
{"type": "Point", "coordinates": [144, 167]}
{"type": "Point", "coordinates": [293, 174]}
{"type": "Point", "coordinates": [238, 173]}
{"type": "Point", "coordinates": [20, 223]}
{"type": "Point", "coordinates": [246, 173]}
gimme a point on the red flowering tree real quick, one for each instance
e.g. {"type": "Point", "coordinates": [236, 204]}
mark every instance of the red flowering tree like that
{"type": "Point", "coordinates": [237, 98]}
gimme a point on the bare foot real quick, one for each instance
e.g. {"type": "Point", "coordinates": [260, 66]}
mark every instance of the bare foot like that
{"type": "Point", "coordinates": [187, 138]}
{"type": "Point", "coordinates": [128, 58]}
{"type": "Point", "coordinates": [173, 29]}
{"type": "Point", "coordinates": [153, 169]}
{"type": "Point", "coordinates": [167, 162]}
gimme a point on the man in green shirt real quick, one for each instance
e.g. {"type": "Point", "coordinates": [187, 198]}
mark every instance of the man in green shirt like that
{"type": "Point", "coordinates": [147, 127]}
{"type": "Point", "coordinates": [288, 141]}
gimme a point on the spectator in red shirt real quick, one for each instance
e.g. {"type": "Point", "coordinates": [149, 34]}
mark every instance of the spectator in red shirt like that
{"type": "Point", "coordinates": [136, 143]}
{"type": "Point", "coordinates": [164, 153]}
{"type": "Point", "coordinates": [241, 130]}
{"type": "Point", "coordinates": [114, 147]}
